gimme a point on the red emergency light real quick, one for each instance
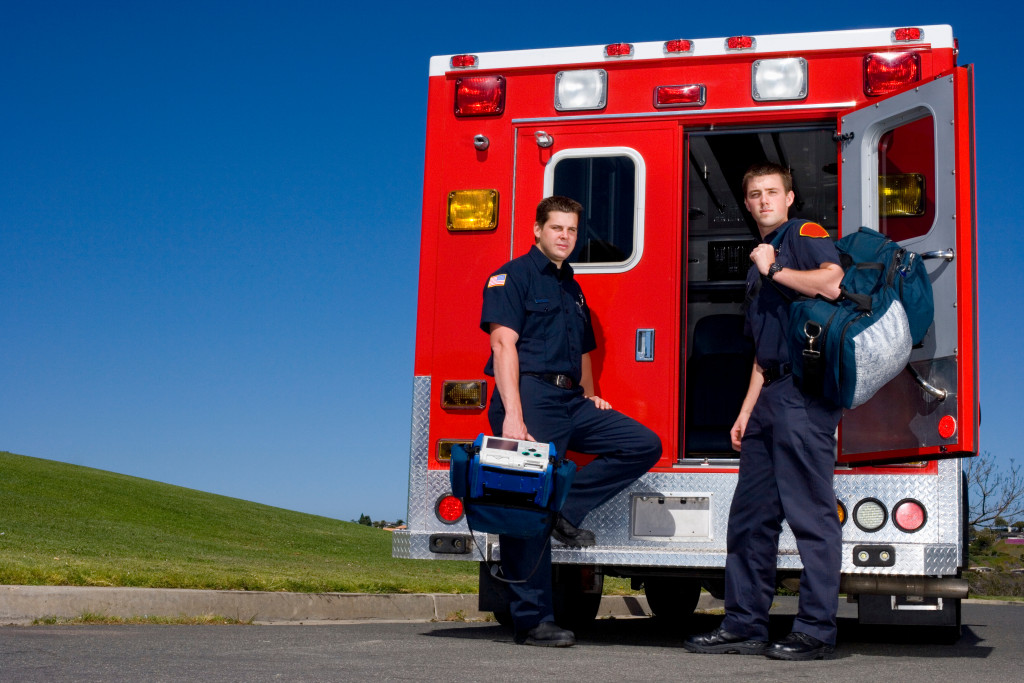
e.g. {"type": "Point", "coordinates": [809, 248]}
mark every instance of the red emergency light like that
{"type": "Point", "coordinates": [903, 35]}
{"type": "Point", "coordinates": [479, 95]}
{"type": "Point", "coordinates": [740, 43]}
{"type": "Point", "coordinates": [887, 72]}
{"type": "Point", "coordinates": [449, 509]}
{"type": "Point", "coordinates": [618, 50]}
{"type": "Point", "coordinates": [464, 61]}
{"type": "Point", "coordinates": [675, 47]}
{"type": "Point", "coordinates": [691, 95]}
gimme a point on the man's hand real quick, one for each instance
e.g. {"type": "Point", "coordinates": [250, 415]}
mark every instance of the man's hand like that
{"type": "Point", "coordinates": [513, 427]}
{"type": "Point", "coordinates": [600, 402]}
{"type": "Point", "coordinates": [738, 427]}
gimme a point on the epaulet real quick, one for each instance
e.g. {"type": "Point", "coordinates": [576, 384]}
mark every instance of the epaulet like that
{"type": "Point", "coordinates": [810, 229]}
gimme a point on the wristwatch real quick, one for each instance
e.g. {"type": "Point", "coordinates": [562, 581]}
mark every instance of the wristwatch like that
{"type": "Point", "coordinates": [774, 268]}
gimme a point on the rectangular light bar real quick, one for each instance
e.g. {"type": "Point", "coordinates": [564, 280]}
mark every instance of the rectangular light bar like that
{"type": "Point", "coordinates": [464, 394]}
{"type": "Point", "coordinates": [692, 95]}
{"type": "Point", "coordinates": [472, 210]}
{"type": "Point", "coordinates": [779, 79]}
{"type": "Point", "coordinates": [581, 90]}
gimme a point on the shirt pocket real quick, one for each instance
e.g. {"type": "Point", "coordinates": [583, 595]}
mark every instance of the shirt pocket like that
{"type": "Point", "coordinates": [541, 331]}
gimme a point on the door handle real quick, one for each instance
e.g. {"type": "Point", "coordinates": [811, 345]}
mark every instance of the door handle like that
{"type": "Point", "coordinates": [645, 345]}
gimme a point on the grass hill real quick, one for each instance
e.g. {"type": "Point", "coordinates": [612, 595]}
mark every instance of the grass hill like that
{"type": "Point", "coordinates": [68, 525]}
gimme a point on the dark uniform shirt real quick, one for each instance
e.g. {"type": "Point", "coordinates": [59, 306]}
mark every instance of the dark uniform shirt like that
{"type": "Point", "coordinates": [545, 306]}
{"type": "Point", "coordinates": [804, 246]}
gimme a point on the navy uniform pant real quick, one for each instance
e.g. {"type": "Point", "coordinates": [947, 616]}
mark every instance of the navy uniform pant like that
{"type": "Point", "coordinates": [787, 461]}
{"type": "Point", "coordinates": [625, 450]}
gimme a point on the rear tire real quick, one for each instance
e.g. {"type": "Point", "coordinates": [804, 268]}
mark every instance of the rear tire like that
{"type": "Point", "coordinates": [671, 597]}
{"type": "Point", "coordinates": [577, 594]}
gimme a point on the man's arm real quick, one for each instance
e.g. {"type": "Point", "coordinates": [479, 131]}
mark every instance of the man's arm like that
{"type": "Point", "coordinates": [587, 382]}
{"type": "Point", "coordinates": [823, 280]}
{"type": "Point", "coordinates": [753, 391]}
{"type": "Point", "coordinates": [506, 376]}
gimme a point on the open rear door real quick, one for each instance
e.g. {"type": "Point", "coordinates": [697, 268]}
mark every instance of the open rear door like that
{"type": "Point", "coordinates": [921, 140]}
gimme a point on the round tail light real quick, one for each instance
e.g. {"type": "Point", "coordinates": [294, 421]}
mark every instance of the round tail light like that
{"type": "Point", "coordinates": [449, 509]}
{"type": "Point", "coordinates": [909, 515]}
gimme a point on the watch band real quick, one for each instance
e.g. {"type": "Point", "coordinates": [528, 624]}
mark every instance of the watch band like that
{"type": "Point", "coordinates": [774, 268]}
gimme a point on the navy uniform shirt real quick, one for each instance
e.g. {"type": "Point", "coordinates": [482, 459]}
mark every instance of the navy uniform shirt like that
{"type": "Point", "coordinates": [545, 306]}
{"type": "Point", "coordinates": [804, 246]}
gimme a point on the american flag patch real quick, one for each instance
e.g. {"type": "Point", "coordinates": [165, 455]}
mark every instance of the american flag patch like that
{"type": "Point", "coordinates": [496, 281]}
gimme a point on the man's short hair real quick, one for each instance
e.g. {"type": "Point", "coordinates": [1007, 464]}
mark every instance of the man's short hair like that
{"type": "Point", "coordinates": [768, 168]}
{"type": "Point", "coordinates": [557, 203]}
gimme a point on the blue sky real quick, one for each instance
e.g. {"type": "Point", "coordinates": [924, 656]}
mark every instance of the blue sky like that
{"type": "Point", "coordinates": [209, 224]}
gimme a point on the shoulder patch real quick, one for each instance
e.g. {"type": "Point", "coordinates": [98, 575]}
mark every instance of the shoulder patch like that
{"type": "Point", "coordinates": [812, 230]}
{"type": "Point", "coordinates": [497, 280]}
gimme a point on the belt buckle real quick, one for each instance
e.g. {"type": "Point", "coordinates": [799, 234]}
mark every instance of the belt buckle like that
{"type": "Point", "coordinates": [563, 381]}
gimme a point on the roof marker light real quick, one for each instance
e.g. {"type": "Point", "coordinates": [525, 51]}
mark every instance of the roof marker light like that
{"type": "Point", "coordinates": [618, 50]}
{"type": "Point", "coordinates": [581, 90]}
{"type": "Point", "coordinates": [887, 72]}
{"type": "Point", "coordinates": [676, 47]}
{"type": "Point", "coordinates": [479, 95]}
{"type": "Point", "coordinates": [464, 61]}
{"type": "Point", "coordinates": [779, 79]}
{"type": "Point", "coordinates": [693, 95]}
{"type": "Point", "coordinates": [908, 34]}
{"type": "Point", "coordinates": [740, 43]}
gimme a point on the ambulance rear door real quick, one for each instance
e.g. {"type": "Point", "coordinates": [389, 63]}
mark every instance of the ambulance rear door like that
{"type": "Point", "coordinates": [907, 170]}
{"type": "Point", "coordinates": [628, 176]}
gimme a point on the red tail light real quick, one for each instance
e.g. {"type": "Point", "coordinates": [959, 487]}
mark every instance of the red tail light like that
{"type": "Point", "coordinates": [679, 96]}
{"type": "Point", "coordinates": [479, 95]}
{"type": "Point", "coordinates": [739, 43]}
{"type": "Point", "coordinates": [887, 72]}
{"type": "Point", "coordinates": [449, 509]}
{"type": "Point", "coordinates": [463, 61]}
{"type": "Point", "coordinates": [902, 35]}
{"type": "Point", "coordinates": [678, 46]}
{"type": "Point", "coordinates": [908, 515]}
{"type": "Point", "coordinates": [618, 50]}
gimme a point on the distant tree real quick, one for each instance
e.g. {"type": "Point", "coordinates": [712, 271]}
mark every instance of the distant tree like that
{"type": "Point", "coordinates": [994, 492]}
{"type": "Point", "coordinates": [365, 520]}
{"type": "Point", "coordinates": [1001, 522]}
{"type": "Point", "coordinates": [1018, 526]}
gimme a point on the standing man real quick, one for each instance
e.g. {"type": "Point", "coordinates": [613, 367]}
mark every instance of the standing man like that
{"type": "Point", "coordinates": [541, 339]}
{"type": "Point", "coordinates": [786, 441]}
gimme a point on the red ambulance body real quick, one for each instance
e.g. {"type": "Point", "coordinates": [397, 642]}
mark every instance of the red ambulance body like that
{"type": "Point", "coordinates": [653, 139]}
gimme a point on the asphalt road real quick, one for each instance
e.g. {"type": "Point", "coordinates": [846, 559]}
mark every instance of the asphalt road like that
{"type": "Point", "coordinates": [632, 649]}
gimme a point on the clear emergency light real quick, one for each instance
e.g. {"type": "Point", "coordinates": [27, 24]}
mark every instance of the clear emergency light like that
{"type": "Point", "coordinates": [887, 72]}
{"type": "Point", "coordinates": [581, 90]}
{"type": "Point", "coordinates": [470, 210]}
{"type": "Point", "coordinates": [779, 79]}
{"type": "Point", "coordinates": [479, 95]}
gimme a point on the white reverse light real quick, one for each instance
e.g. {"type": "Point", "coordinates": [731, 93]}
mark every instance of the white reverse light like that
{"type": "Point", "coordinates": [580, 90]}
{"type": "Point", "coordinates": [779, 79]}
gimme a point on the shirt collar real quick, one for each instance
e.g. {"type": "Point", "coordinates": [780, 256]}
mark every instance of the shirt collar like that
{"type": "Point", "coordinates": [541, 262]}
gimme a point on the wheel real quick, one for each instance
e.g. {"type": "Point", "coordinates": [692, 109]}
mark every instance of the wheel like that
{"type": "Point", "coordinates": [503, 617]}
{"type": "Point", "coordinates": [672, 597]}
{"type": "Point", "coordinates": [577, 594]}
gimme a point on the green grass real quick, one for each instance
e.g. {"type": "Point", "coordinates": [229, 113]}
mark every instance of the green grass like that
{"type": "Point", "coordinates": [68, 525]}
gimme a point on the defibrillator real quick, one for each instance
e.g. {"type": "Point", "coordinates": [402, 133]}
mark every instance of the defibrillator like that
{"type": "Point", "coordinates": [510, 486]}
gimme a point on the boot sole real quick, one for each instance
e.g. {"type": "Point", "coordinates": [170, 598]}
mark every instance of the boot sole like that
{"type": "Point", "coordinates": [730, 649]}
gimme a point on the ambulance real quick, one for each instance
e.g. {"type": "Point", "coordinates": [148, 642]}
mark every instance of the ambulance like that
{"type": "Point", "coordinates": [653, 139]}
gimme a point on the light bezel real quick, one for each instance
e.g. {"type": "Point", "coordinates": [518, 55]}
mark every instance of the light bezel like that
{"type": "Point", "coordinates": [886, 182]}
{"type": "Point", "coordinates": [861, 503]}
{"type": "Point", "coordinates": [608, 48]}
{"type": "Point", "coordinates": [456, 223]}
{"type": "Point", "coordinates": [564, 76]}
{"type": "Point", "coordinates": [446, 445]}
{"type": "Point", "coordinates": [475, 62]}
{"type": "Point", "coordinates": [688, 51]}
{"type": "Point", "coordinates": [897, 39]}
{"type": "Point", "coordinates": [482, 385]}
{"type": "Point", "coordinates": [447, 495]}
{"type": "Point", "coordinates": [699, 103]}
{"type": "Point", "coordinates": [462, 108]}
{"type": "Point", "coordinates": [761, 65]}
{"type": "Point", "coordinates": [741, 48]}
{"type": "Point", "coordinates": [909, 501]}
{"type": "Point", "coordinates": [891, 86]}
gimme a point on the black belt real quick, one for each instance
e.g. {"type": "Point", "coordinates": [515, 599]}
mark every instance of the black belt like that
{"type": "Point", "coordinates": [776, 372]}
{"type": "Point", "coordinates": [560, 381]}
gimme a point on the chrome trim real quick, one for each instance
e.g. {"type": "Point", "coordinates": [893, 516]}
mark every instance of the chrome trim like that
{"type": "Point", "coordinates": [739, 110]}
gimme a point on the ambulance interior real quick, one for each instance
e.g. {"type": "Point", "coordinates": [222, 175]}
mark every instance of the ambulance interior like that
{"type": "Point", "coordinates": [720, 235]}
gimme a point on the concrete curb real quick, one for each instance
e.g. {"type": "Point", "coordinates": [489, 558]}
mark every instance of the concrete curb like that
{"type": "Point", "coordinates": [24, 604]}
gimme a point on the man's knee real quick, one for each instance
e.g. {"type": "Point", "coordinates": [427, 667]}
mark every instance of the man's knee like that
{"type": "Point", "coordinates": [649, 446]}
